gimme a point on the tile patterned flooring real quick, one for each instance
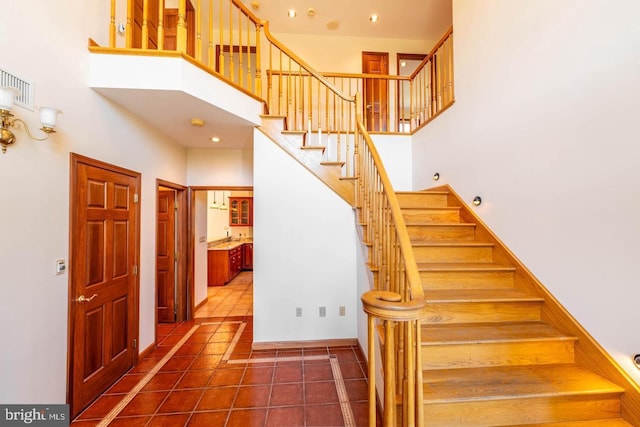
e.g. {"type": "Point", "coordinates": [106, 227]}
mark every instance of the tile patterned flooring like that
{"type": "Point", "coordinates": [204, 373]}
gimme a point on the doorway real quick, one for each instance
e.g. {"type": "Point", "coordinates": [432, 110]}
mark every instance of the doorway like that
{"type": "Point", "coordinates": [407, 64]}
{"type": "Point", "coordinates": [376, 91]}
{"type": "Point", "coordinates": [171, 253]}
{"type": "Point", "coordinates": [103, 279]}
{"type": "Point", "coordinates": [170, 25]}
{"type": "Point", "coordinates": [221, 238]}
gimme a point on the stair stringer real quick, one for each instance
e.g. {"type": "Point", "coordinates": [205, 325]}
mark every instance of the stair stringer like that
{"type": "Point", "coordinates": [589, 354]}
{"type": "Point", "coordinates": [330, 174]}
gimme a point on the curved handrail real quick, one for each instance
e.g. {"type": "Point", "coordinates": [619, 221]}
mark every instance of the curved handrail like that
{"type": "Point", "coordinates": [303, 64]}
{"type": "Point", "coordinates": [413, 276]}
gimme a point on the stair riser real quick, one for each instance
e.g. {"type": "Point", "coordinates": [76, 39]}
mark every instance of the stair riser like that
{"type": "Point", "coordinates": [525, 410]}
{"type": "Point", "coordinates": [424, 233]}
{"type": "Point", "coordinates": [481, 312]}
{"type": "Point", "coordinates": [476, 355]}
{"type": "Point", "coordinates": [452, 254]}
{"type": "Point", "coordinates": [431, 216]}
{"type": "Point", "coordinates": [466, 280]}
{"type": "Point", "coordinates": [422, 200]}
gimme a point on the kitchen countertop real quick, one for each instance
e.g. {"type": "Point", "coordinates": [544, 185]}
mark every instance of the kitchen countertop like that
{"type": "Point", "coordinates": [231, 244]}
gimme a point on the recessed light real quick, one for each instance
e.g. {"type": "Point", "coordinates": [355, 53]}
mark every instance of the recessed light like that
{"type": "Point", "coordinates": [292, 13]}
{"type": "Point", "coordinates": [215, 139]}
{"type": "Point", "coordinates": [403, 64]}
{"type": "Point", "coordinates": [255, 5]}
{"type": "Point", "coordinates": [332, 25]}
{"type": "Point", "coordinates": [311, 12]}
{"type": "Point", "coordinates": [373, 18]}
{"type": "Point", "coordinates": [197, 122]}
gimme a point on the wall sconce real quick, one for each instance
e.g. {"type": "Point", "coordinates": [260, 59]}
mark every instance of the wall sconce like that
{"type": "Point", "coordinates": [48, 117]}
{"type": "Point", "coordinates": [436, 176]}
{"type": "Point", "coordinates": [477, 200]}
{"type": "Point", "coordinates": [636, 360]}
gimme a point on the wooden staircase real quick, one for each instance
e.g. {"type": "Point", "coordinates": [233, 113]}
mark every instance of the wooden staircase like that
{"type": "Point", "coordinates": [310, 156]}
{"type": "Point", "coordinates": [497, 349]}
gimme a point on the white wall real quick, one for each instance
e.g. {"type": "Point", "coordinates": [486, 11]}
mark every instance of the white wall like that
{"type": "Point", "coordinates": [220, 167]}
{"type": "Point", "coordinates": [46, 42]}
{"type": "Point", "coordinates": [395, 152]}
{"type": "Point", "coordinates": [200, 248]}
{"type": "Point", "coordinates": [344, 54]}
{"type": "Point", "coordinates": [304, 252]}
{"type": "Point", "coordinates": [545, 129]}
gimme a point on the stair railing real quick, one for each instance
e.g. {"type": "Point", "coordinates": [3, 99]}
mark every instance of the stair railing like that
{"type": "Point", "coordinates": [398, 300]}
{"type": "Point", "coordinates": [229, 45]}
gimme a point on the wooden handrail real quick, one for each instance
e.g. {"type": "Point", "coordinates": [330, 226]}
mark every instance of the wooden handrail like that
{"type": "Point", "coordinates": [431, 54]}
{"type": "Point", "coordinates": [303, 64]}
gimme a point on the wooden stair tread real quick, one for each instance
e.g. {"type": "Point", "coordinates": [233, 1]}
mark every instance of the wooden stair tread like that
{"type": "Point", "coordinates": [464, 266]}
{"type": "Point", "coordinates": [512, 382]}
{"type": "Point", "coordinates": [490, 332]}
{"type": "Point", "coordinates": [313, 147]}
{"type": "Point", "coordinates": [462, 244]}
{"type": "Point", "coordinates": [440, 224]}
{"type": "Point", "coordinates": [614, 422]}
{"type": "Point", "coordinates": [294, 132]}
{"type": "Point", "coordinates": [440, 296]}
{"type": "Point", "coordinates": [441, 192]}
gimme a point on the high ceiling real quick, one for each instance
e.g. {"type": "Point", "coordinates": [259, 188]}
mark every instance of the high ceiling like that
{"type": "Point", "coordinates": [400, 19]}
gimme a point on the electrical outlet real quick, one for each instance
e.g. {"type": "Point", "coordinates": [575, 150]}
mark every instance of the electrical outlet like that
{"type": "Point", "coordinates": [323, 311]}
{"type": "Point", "coordinates": [342, 311]}
{"type": "Point", "coordinates": [298, 311]}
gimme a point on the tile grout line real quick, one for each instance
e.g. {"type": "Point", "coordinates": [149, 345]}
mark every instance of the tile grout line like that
{"type": "Point", "coordinates": [136, 389]}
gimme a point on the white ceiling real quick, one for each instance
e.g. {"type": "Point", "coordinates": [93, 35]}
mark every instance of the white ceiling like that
{"type": "Point", "coordinates": [400, 19]}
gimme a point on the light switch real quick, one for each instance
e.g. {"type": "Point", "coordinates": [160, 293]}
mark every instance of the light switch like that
{"type": "Point", "coordinates": [60, 266]}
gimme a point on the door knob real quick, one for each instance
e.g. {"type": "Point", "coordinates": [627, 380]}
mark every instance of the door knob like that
{"type": "Point", "coordinates": [82, 298]}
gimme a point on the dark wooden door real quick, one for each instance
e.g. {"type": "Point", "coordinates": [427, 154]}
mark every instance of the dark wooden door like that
{"type": "Point", "coordinates": [376, 91]}
{"type": "Point", "coordinates": [165, 256]}
{"type": "Point", "coordinates": [152, 24]}
{"type": "Point", "coordinates": [103, 311]}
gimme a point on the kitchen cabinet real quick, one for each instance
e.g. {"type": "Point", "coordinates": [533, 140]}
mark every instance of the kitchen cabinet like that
{"type": "Point", "coordinates": [241, 211]}
{"type": "Point", "coordinates": [223, 264]}
{"type": "Point", "coordinates": [247, 256]}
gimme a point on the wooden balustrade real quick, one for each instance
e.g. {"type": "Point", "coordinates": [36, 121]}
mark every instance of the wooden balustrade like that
{"type": "Point", "coordinates": [398, 299]}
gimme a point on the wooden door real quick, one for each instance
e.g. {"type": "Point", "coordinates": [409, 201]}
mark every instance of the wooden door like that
{"type": "Point", "coordinates": [103, 311]}
{"type": "Point", "coordinates": [152, 23]}
{"type": "Point", "coordinates": [171, 27]}
{"type": "Point", "coordinates": [165, 256]}
{"type": "Point", "coordinates": [376, 91]}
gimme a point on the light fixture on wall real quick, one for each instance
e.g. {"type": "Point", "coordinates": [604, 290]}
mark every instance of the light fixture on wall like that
{"type": "Point", "coordinates": [477, 200]}
{"type": "Point", "coordinates": [214, 205]}
{"type": "Point", "coordinates": [224, 206]}
{"type": "Point", "coordinates": [436, 176]}
{"type": "Point", "coordinates": [48, 117]}
{"type": "Point", "coordinates": [636, 360]}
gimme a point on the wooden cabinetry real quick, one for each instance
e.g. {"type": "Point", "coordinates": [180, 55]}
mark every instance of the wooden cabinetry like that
{"type": "Point", "coordinates": [223, 265]}
{"type": "Point", "coordinates": [247, 256]}
{"type": "Point", "coordinates": [240, 211]}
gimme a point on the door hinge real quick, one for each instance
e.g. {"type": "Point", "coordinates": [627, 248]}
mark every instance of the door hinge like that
{"type": "Point", "coordinates": [175, 206]}
{"type": "Point", "coordinates": [135, 343]}
{"type": "Point", "coordinates": [135, 270]}
{"type": "Point", "coordinates": [175, 255]}
{"type": "Point", "coordinates": [135, 198]}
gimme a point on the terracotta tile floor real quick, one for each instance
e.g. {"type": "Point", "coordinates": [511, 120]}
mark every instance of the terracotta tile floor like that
{"type": "Point", "coordinates": [204, 373]}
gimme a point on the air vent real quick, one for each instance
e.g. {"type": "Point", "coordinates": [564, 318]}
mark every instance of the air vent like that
{"type": "Point", "coordinates": [25, 87]}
